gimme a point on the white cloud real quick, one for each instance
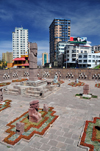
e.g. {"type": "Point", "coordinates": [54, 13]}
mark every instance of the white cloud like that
{"type": "Point", "coordinates": [5, 15]}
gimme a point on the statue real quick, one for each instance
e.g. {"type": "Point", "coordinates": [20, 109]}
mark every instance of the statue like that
{"type": "Point", "coordinates": [19, 128]}
{"type": "Point", "coordinates": [33, 56]}
{"type": "Point", "coordinates": [34, 115]}
{"type": "Point", "coordinates": [1, 95]}
{"type": "Point", "coordinates": [33, 62]}
{"type": "Point", "coordinates": [55, 79]}
{"type": "Point", "coordinates": [45, 108]}
{"type": "Point", "coordinates": [76, 80]}
{"type": "Point", "coordinates": [86, 89]}
{"type": "Point", "coordinates": [58, 77]}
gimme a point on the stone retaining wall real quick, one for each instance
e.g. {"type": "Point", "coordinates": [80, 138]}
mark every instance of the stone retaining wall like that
{"type": "Point", "coordinates": [89, 74]}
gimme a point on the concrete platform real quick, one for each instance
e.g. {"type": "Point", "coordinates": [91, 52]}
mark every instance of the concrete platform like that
{"type": "Point", "coordinates": [66, 130]}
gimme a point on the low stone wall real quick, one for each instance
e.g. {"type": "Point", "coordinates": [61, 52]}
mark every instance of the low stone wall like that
{"type": "Point", "coordinates": [13, 74]}
{"type": "Point", "coordinates": [89, 74]}
{"type": "Point", "coordinates": [84, 74]}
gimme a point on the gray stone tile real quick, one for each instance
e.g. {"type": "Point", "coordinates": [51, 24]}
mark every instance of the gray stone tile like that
{"type": "Point", "coordinates": [19, 146]}
{"type": "Point", "coordinates": [61, 145]}
{"type": "Point", "coordinates": [53, 136]}
{"type": "Point", "coordinates": [80, 149]}
{"type": "Point", "coordinates": [69, 141]}
{"type": "Point", "coordinates": [27, 148]}
{"type": "Point", "coordinates": [71, 148]}
{"type": "Point", "coordinates": [36, 145]}
{"type": "Point", "coordinates": [75, 142]}
{"type": "Point", "coordinates": [44, 140]}
{"type": "Point", "coordinates": [61, 139]}
{"type": "Point", "coordinates": [51, 130]}
{"type": "Point", "coordinates": [68, 134]}
{"type": "Point", "coordinates": [54, 149]}
{"type": "Point", "coordinates": [74, 136]}
{"type": "Point", "coordinates": [45, 147]}
{"type": "Point", "coordinates": [65, 129]}
{"type": "Point", "coordinates": [61, 133]}
{"type": "Point", "coordinates": [52, 142]}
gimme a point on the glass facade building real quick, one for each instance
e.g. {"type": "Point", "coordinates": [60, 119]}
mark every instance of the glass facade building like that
{"type": "Point", "coordinates": [44, 58]}
{"type": "Point", "coordinates": [59, 30]}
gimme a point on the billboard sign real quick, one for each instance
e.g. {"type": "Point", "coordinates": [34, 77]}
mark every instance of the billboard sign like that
{"type": "Point", "coordinates": [78, 40]}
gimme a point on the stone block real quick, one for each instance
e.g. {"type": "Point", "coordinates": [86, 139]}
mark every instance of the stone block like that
{"type": "Point", "coordinates": [45, 108]}
{"type": "Point", "coordinates": [86, 89]}
{"type": "Point", "coordinates": [32, 65]}
{"type": "Point", "coordinates": [34, 104]}
{"type": "Point", "coordinates": [1, 94]}
{"type": "Point", "coordinates": [19, 128]}
{"type": "Point", "coordinates": [33, 75]}
{"type": "Point", "coordinates": [34, 116]}
{"type": "Point", "coordinates": [86, 95]}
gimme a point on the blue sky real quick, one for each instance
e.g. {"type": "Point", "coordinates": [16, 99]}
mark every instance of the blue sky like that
{"type": "Point", "coordinates": [36, 16]}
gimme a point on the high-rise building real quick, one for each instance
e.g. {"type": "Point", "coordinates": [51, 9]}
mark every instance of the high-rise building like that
{"type": "Point", "coordinates": [44, 58]}
{"type": "Point", "coordinates": [8, 56]}
{"type": "Point", "coordinates": [20, 42]}
{"type": "Point", "coordinates": [59, 30]}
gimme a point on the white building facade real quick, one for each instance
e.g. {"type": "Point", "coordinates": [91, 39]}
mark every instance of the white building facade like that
{"type": "Point", "coordinates": [20, 42]}
{"type": "Point", "coordinates": [71, 54]}
{"type": "Point", "coordinates": [60, 48]}
{"type": "Point", "coordinates": [88, 60]}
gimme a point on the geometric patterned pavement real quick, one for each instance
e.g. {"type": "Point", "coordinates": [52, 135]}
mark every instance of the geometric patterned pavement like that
{"type": "Point", "coordinates": [5, 105]}
{"type": "Point", "coordinates": [30, 128]}
{"type": "Point", "coordinates": [65, 133]}
{"type": "Point", "coordinates": [91, 135]}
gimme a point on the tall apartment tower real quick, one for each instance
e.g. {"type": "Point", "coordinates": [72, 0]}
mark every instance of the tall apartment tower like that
{"type": "Point", "coordinates": [20, 42]}
{"type": "Point", "coordinates": [59, 30]}
{"type": "Point", "coordinates": [44, 58]}
{"type": "Point", "coordinates": [8, 56]}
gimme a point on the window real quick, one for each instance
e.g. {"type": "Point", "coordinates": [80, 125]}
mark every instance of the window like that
{"type": "Point", "coordinates": [73, 55]}
{"type": "Point", "coordinates": [89, 60]}
{"type": "Point", "coordinates": [93, 56]}
{"type": "Point", "coordinates": [73, 59]}
{"type": "Point", "coordinates": [73, 51]}
{"type": "Point", "coordinates": [89, 56]}
{"type": "Point", "coordinates": [67, 51]}
{"type": "Point", "coordinates": [80, 61]}
{"type": "Point", "coordinates": [81, 51]}
{"type": "Point", "coordinates": [97, 56]}
{"type": "Point", "coordinates": [85, 56]}
{"type": "Point", "coordinates": [85, 60]}
{"type": "Point", "coordinates": [93, 60]}
{"type": "Point", "coordinates": [77, 51]}
{"type": "Point", "coordinates": [80, 56]}
{"type": "Point", "coordinates": [85, 51]}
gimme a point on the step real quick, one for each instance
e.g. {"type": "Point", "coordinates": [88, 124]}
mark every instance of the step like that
{"type": "Point", "coordinates": [10, 92]}
{"type": "Point", "coordinates": [34, 95]}
{"type": "Point", "coordinates": [33, 92]}
{"type": "Point", "coordinates": [47, 93]}
{"type": "Point", "coordinates": [13, 90]}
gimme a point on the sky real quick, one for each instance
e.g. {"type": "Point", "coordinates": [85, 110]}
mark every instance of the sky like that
{"type": "Point", "coordinates": [37, 15]}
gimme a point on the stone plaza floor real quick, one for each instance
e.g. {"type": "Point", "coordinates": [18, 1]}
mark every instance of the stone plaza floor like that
{"type": "Point", "coordinates": [66, 130]}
